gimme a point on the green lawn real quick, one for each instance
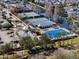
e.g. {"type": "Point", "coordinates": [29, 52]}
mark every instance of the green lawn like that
{"type": "Point", "coordinates": [66, 42]}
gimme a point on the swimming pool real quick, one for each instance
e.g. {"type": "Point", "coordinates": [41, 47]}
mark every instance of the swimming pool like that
{"type": "Point", "coordinates": [57, 33]}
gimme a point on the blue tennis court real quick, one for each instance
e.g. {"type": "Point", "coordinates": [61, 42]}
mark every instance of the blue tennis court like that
{"type": "Point", "coordinates": [27, 14]}
{"type": "Point", "coordinates": [56, 33]}
{"type": "Point", "coordinates": [43, 22]}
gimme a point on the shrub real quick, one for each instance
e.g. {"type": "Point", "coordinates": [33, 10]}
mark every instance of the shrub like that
{"type": "Point", "coordinates": [49, 46]}
{"type": "Point", "coordinates": [36, 49]}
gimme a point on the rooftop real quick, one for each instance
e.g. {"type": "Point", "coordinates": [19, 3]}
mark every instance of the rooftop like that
{"type": "Point", "coordinates": [27, 14]}
{"type": "Point", "coordinates": [40, 22]}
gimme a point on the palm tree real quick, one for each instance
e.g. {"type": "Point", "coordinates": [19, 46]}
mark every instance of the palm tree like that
{"type": "Point", "coordinates": [62, 12]}
{"type": "Point", "coordinates": [35, 41]}
{"type": "Point", "coordinates": [2, 49]}
{"type": "Point", "coordinates": [45, 40]}
{"type": "Point", "coordinates": [26, 43]}
{"type": "Point", "coordinates": [71, 21]}
{"type": "Point", "coordinates": [62, 35]}
{"type": "Point", "coordinates": [12, 47]}
{"type": "Point", "coordinates": [7, 47]}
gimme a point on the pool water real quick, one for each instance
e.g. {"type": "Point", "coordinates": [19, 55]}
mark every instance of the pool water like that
{"type": "Point", "coordinates": [57, 33]}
